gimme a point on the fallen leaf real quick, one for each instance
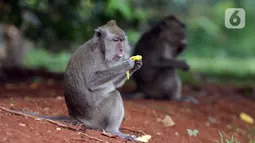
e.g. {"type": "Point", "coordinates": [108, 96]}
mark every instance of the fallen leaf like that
{"type": "Point", "coordinates": [167, 121]}
{"type": "Point", "coordinates": [144, 138]}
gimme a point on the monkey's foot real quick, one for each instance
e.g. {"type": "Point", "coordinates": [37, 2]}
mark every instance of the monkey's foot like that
{"type": "Point", "coordinates": [124, 136]}
{"type": "Point", "coordinates": [130, 137]}
{"type": "Point", "coordinates": [79, 127]}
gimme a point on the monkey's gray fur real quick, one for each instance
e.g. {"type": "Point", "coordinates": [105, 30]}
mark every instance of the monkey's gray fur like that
{"type": "Point", "coordinates": [91, 79]}
{"type": "Point", "coordinates": [94, 72]}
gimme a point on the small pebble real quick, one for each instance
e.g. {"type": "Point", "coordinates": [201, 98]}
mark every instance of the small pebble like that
{"type": "Point", "coordinates": [229, 126]}
{"type": "Point", "coordinates": [158, 133]}
{"type": "Point", "coordinates": [177, 134]}
{"type": "Point", "coordinates": [59, 98]}
{"type": "Point", "coordinates": [212, 120]}
{"type": "Point", "coordinates": [23, 125]}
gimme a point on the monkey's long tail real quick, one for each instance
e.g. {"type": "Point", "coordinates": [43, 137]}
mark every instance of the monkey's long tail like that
{"type": "Point", "coordinates": [62, 118]}
{"type": "Point", "coordinates": [56, 118]}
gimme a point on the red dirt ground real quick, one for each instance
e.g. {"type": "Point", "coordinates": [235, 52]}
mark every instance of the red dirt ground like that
{"type": "Point", "coordinates": [219, 110]}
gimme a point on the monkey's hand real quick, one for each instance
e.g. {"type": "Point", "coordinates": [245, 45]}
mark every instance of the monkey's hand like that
{"type": "Point", "coordinates": [138, 65]}
{"type": "Point", "coordinates": [130, 64]}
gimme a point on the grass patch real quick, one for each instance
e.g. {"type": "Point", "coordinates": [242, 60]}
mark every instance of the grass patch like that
{"type": "Point", "coordinates": [220, 69]}
{"type": "Point", "coordinates": [223, 140]}
{"type": "Point", "coordinates": [235, 66]}
{"type": "Point", "coordinates": [40, 58]}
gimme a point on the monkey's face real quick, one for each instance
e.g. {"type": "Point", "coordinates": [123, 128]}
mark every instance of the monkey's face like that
{"type": "Point", "coordinates": [173, 33]}
{"type": "Point", "coordinates": [114, 47]}
{"type": "Point", "coordinates": [114, 41]}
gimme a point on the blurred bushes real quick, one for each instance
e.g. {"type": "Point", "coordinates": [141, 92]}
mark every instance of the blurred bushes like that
{"type": "Point", "coordinates": [208, 36]}
{"type": "Point", "coordinates": [58, 25]}
{"type": "Point", "coordinates": [63, 23]}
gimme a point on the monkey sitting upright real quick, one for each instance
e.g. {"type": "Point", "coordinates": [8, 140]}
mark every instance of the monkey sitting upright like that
{"type": "Point", "coordinates": [159, 48]}
{"type": "Point", "coordinates": [92, 75]}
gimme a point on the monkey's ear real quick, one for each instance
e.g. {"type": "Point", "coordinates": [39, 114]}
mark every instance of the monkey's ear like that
{"type": "Point", "coordinates": [98, 33]}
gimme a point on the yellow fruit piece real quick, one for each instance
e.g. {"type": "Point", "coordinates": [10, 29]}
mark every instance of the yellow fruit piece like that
{"type": "Point", "coordinates": [127, 74]}
{"type": "Point", "coordinates": [134, 58]}
{"type": "Point", "coordinates": [137, 57]}
{"type": "Point", "coordinates": [144, 138]}
{"type": "Point", "coordinates": [246, 118]}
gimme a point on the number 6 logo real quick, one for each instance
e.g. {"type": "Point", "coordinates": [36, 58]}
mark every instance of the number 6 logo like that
{"type": "Point", "coordinates": [234, 18]}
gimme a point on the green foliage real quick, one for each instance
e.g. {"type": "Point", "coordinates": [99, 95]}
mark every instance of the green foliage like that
{"type": "Point", "coordinates": [208, 36]}
{"type": "Point", "coordinates": [121, 6]}
{"type": "Point", "coordinates": [192, 133]}
{"type": "Point", "coordinates": [223, 140]}
{"type": "Point", "coordinates": [212, 49]}
{"type": "Point", "coordinates": [40, 58]}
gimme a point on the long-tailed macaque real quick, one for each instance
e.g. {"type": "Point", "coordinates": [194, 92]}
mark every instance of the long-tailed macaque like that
{"type": "Point", "coordinates": [159, 48]}
{"type": "Point", "coordinates": [93, 73]}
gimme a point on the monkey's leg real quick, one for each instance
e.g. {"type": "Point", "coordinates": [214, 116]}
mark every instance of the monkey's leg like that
{"type": "Point", "coordinates": [115, 115]}
{"type": "Point", "coordinates": [173, 85]}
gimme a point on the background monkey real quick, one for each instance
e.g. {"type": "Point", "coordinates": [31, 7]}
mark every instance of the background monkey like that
{"type": "Point", "coordinates": [159, 47]}
{"type": "Point", "coordinates": [14, 43]}
{"type": "Point", "coordinates": [92, 75]}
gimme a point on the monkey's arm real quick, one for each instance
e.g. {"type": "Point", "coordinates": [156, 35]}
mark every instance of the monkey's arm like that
{"type": "Point", "coordinates": [120, 80]}
{"type": "Point", "coordinates": [173, 63]}
{"type": "Point", "coordinates": [103, 76]}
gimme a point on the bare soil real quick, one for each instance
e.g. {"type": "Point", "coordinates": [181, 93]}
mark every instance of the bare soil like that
{"type": "Point", "coordinates": [219, 109]}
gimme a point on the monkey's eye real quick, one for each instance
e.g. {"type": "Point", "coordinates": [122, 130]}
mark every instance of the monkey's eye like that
{"type": "Point", "coordinates": [122, 39]}
{"type": "Point", "coordinates": [115, 39]}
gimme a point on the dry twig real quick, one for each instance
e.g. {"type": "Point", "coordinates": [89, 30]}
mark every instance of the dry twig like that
{"type": "Point", "coordinates": [34, 117]}
{"type": "Point", "coordinates": [108, 134]}
{"type": "Point", "coordinates": [55, 123]}
{"type": "Point", "coordinates": [94, 138]}
{"type": "Point", "coordinates": [133, 130]}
